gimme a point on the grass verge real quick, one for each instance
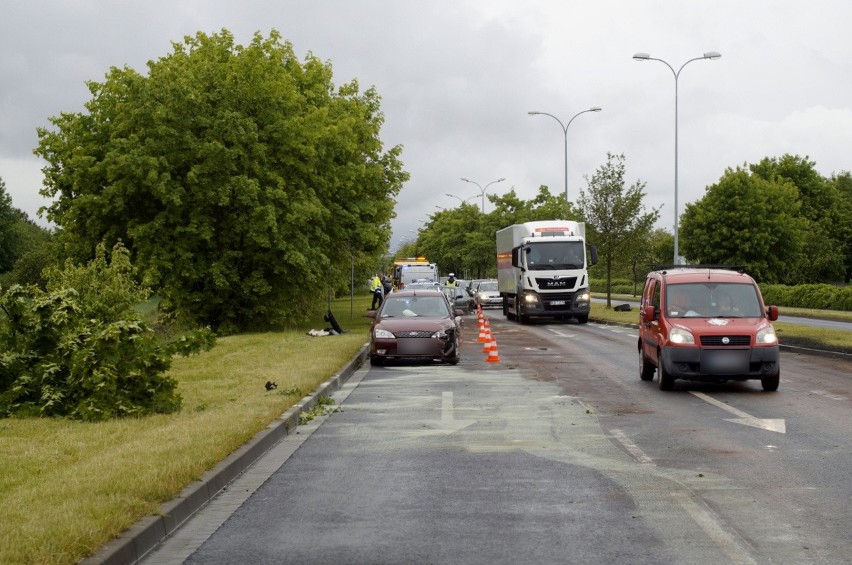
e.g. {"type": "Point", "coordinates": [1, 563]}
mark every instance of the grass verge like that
{"type": "Point", "coordinates": [67, 488]}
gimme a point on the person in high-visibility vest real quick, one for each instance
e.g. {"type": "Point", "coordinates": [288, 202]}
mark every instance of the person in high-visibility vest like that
{"type": "Point", "coordinates": [451, 280]}
{"type": "Point", "coordinates": [377, 288]}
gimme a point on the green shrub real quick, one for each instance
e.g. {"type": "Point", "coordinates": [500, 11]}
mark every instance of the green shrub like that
{"type": "Point", "coordinates": [816, 296]}
{"type": "Point", "coordinates": [80, 350]}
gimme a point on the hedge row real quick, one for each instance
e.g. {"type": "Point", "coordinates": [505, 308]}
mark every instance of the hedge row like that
{"type": "Point", "coordinates": [816, 296]}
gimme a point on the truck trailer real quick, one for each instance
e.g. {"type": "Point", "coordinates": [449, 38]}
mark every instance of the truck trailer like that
{"type": "Point", "coordinates": [542, 270]}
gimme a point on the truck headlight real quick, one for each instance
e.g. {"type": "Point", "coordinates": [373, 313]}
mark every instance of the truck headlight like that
{"type": "Point", "coordinates": [583, 296]}
{"type": "Point", "coordinates": [681, 336]}
{"type": "Point", "coordinates": [531, 299]}
{"type": "Point", "coordinates": [766, 336]}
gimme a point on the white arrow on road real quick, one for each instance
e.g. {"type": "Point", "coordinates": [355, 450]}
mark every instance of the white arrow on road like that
{"type": "Point", "coordinates": [448, 422]}
{"type": "Point", "coordinates": [769, 424]}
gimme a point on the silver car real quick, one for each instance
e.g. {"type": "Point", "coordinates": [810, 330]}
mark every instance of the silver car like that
{"type": "Point", "coordinates": [487, 295]}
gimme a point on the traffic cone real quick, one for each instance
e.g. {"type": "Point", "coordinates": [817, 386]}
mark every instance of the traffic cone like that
{"type": "Point", "coordinates": [493, 356]}
{"type": "Point", "coordinates": [488, 337]}
{"type": "Point", "coordinates": [484, 333]}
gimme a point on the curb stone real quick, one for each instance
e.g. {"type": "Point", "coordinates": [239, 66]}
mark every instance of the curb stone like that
{"type": "Point", "coordinates": [143, 536]}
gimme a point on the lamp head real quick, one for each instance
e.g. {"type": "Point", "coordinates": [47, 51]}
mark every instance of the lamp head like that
{"type": "Point", "coordinates": [594, 109]}
{"type": "Point", "coordinates": [533, 113]}
{"type": "Point", "coordinates": [712, 55]}
{"type": "Point", "coordinates": [641, 56]}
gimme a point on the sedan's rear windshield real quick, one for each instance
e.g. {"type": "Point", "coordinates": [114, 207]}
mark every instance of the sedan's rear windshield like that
{"type": "Point", "coordinates": [713, 300]}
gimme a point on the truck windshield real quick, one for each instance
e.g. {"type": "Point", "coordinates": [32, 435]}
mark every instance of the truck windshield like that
{"type": "Point", "coordinates": [712, 300]}
{"type": "Point", "coordinates": [555, 255]}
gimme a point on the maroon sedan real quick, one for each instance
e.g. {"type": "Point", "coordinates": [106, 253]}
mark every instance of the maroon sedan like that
{"type": "Point", "coordinates": [415, 324]}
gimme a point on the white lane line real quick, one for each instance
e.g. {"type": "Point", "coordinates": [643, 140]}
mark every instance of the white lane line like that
{"type": "Point", "coordinates": [769, 424]}
{"type": "Point", "coordinates": [707, 522]}
{"type": "Point", "coordinates": [827, 394]}
{"type": "Point", "coordinates": [560, 334]}
{"type": "Point", "coordinates": [631, 447]}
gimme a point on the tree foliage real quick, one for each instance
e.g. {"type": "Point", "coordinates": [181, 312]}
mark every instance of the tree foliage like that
{"type": "Point", "coordinates": [615, 217]}
{"type": "Point", "coordinates": [463, 240]}
{"type": "Point", "coordinates": [755, 216]}
{"type": "Point", "coordinates": [239, 177]}
{"type": "Point", "coordinates": [79, 349]}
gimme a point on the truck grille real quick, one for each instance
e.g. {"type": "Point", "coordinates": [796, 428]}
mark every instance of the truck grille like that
{"type": "Point", "coordinates": [545, 283]}
{"type": "Point", "coordinates": [733, 340]}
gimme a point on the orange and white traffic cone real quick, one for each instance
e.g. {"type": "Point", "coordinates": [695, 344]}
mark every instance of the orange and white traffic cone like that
{"type": "Point", "coordinates": [493, 356]}
{"type": "Point", "coordinates": [488, 337]}
{"type": "Point", "coordinates": [484, 333]}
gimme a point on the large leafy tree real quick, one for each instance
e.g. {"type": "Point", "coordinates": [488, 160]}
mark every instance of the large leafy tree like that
{"type": "Point", "coordinates": [10, 237]}
{"type": "Point", "coordinates": [238, 176]}
{"type": "Point", "coordinates": [829, 218]}
{"type": "Point", "coordinates": [746, 219]}
{"type": "Point", "coordinates": [615, 216]}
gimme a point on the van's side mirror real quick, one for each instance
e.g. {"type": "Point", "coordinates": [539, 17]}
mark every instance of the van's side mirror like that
{"type": "Point", "coordinates": [649, 314]}
{"type": "Point", "coordinates": [772, 312]}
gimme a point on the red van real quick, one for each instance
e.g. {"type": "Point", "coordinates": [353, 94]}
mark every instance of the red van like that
{"type": "Point", "coordinates": [706, 324]}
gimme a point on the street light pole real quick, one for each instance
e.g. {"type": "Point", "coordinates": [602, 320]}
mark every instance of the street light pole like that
{"type": "Point", "coordinates": [482, 189]}
{"type": "Point", "coordinates": [711, 55]}
{"type": "Point", "coordinates": [461, 200]}
{"type": "Point", "coordinates": [565, 133]}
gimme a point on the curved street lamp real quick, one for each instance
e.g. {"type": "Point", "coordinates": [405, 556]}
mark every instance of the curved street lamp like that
{"type": "Point", "coordinates": [565, 132]}
{"type": "Point", "coordinates": [711, 55]}
{"type": "Point", "coordinates": [461, 200]}
{"type": "Point", "coordinates": [482, 189]}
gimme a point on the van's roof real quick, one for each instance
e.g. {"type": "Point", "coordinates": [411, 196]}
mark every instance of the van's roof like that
{"type": "Point", "coordinates": [697, 274]}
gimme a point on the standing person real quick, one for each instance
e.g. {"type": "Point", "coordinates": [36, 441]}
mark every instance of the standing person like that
{"type": "Point", "coordinates": [377, 288]}
{"type": "Point", "coordinates": [451, 280]}
{"type": "Point", "coordinates": [387, 285]}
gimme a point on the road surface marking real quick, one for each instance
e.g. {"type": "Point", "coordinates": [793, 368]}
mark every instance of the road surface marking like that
{"type": "Point", "coordinates": [769, 424]}
{"type": "Point", "coordinates": [631, 447]}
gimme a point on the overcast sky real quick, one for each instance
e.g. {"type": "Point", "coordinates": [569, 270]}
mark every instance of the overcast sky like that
{"type": "Point", "coordinates": [458, 78]}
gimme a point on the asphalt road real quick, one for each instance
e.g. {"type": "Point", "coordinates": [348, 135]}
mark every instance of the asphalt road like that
{"type": "Point", "coordinates": [556, 454]}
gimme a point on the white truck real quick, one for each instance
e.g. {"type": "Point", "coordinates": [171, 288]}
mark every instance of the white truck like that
{"type": "Point", "coordinates": [542, 270]}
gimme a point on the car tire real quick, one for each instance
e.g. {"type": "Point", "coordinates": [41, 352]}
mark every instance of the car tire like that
{"type": "Point", "coordinates": [666, 380]}
{"type": "Point", "coordinates": [582, 318]}
{"type": "Point", "coordinates": [646, 368]}
{"type": "Point", "coordinates": [376, 361]}
{"type": "Point", "coordinates": [453, 358]}
{"type": "Point", "coordinates": [771, 382]}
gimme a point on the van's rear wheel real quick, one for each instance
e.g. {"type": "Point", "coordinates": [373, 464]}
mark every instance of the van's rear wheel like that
{"type": "Point", "coordinates": [646, 368]}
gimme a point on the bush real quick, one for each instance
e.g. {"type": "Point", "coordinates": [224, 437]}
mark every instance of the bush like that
{"type": "Point", "coordinates": [80, 350]}
{"type": "Point", "coordinates": [816, 296]}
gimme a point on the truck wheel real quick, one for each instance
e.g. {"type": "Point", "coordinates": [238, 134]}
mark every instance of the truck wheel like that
{"type": "Point", "coordinates": [646, 368]}
{"type": "Point", "coordinates": [770, 383]}
{"type": "Point", "coordinates": [666, 380]}
{"type": "Point", "coordinates": [582, 318]}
